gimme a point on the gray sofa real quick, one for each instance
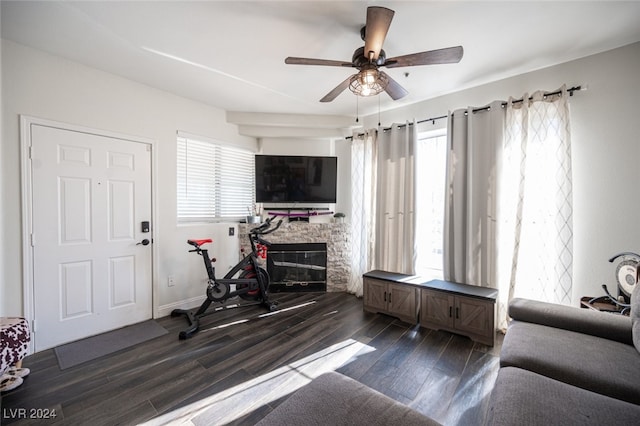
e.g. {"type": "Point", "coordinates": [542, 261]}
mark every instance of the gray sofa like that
{"type": "Point", "coordinates": [335, 399]}
{"type": "Point", "coordinates": [559, 365]}
{"type": "Point", "coordinates": [562, 365]}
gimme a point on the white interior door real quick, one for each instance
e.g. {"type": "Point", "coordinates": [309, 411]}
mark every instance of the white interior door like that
{"type": "Point", "coordinates": [90, 194]}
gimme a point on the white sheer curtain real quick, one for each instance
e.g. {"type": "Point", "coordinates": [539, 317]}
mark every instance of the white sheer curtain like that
{"type": "Point", "coordinates": [535, 202]}
{"type": "Point", "coordinates": [383, 218]}
{"type": "Point", "coordinates": [473, 140]}
{"type": "Point", "coordinates": [363, 178]}
{"type": "Point", "coordinates": [395, 224]}
{"type": "Point", "coordinates": [508, 212]}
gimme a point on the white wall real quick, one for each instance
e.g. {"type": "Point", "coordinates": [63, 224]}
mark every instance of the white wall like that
{"type": "Point", "coordinates": [605, 149]}
{"type": "Point", "coordinates": [44, 86]}
{"type": "Point", "coordinates": [2, 208]}
{"type": "Point", "coordinates": [605, 146]}
{"type": "Point", "coordinates": [320, 147]}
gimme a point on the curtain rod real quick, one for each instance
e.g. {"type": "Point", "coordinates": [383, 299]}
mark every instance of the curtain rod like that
{"type": "Point", "coordinates": [504, 104]}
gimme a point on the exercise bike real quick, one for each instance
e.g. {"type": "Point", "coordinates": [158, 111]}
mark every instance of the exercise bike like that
{"type": "Point", "coordinates": [252, 283]}
{"type": "Point", "coordinates": [627, 275]}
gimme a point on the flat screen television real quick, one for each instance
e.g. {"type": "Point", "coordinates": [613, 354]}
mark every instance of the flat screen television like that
{"type": "Point", "coordinates": [295, 179]}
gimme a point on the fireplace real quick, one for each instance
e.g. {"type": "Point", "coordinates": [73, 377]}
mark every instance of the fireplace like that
{"type": "Point", "coordinates": [336, 236]}
{"type": "Point", "coordinates": [297, 267]}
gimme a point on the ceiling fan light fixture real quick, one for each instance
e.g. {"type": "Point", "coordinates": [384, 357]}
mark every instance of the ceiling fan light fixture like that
{"type": "Point", "coordinates": [368, 82]}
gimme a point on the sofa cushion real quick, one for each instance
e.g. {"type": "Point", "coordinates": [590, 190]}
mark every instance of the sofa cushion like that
{"type": "Point", "coordinates": [593, 363]}
{"type": "Point", "coordinates": [525, 398]}
{"type": "Point", "coordinates": [587, 321]}
{"type": "Point", "coordinates": [635, 316]}
{"type": "Point", "coordinates": [335, 399]}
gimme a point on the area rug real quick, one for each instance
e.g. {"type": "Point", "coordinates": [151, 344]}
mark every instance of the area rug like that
{"type": "Point", "coordinates": [81, 351]}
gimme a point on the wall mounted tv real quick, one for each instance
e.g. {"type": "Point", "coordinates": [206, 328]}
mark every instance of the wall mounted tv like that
{"type": "Point", "coordinates": [296, 179]}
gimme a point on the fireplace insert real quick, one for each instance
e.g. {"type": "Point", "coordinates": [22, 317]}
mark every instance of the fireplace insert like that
{"type": "Point", "coordinates": [297, 267]}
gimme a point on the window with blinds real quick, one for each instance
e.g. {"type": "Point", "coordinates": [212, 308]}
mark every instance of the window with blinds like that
{"type": "Point", "coordinates": [215, 181]}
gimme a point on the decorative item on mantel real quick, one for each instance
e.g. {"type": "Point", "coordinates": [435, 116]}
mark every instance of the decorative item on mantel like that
{"type": "Point", "coordinates": [339, 217]}
{"type": "Point", "coordinates": [299, 214]}
{"type": "Point", "coordinates": [254, 214]}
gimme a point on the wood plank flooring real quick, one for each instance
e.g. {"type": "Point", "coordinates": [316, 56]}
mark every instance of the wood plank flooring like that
{"type": "Point", "coordinates": [244, 362]}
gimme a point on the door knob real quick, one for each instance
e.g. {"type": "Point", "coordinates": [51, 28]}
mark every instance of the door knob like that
{"type": "Point", "coordinates": [144, 242]}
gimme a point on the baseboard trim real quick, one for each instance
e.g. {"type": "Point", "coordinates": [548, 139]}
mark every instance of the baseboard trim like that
{"type": "Point", "coordinates": [165, 310]}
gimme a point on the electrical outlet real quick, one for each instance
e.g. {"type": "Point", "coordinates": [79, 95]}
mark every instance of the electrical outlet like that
{"type": "Point", "coordinates": [171, 281]}
{"type": "Point", "coordinates": [232, 231]}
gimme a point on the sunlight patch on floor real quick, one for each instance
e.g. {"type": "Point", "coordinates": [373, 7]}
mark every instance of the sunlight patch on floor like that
{"type": "Point", "coordinates": [235, 402]}
{"type": "Point", "coordinates": [287, 309]}
{"type": "Point", "coordinates": [225, 325]}
{"type": "Point", "coordinates": [242, 321]}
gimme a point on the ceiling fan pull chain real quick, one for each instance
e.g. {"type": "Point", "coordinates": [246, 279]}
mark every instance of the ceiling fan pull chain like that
{"type": "Point", "coordinates": [378, 110]}
{"type": "Point", "coordinates": [357, 113]}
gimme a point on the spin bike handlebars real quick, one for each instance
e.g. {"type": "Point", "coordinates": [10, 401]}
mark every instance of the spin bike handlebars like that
{"type": "Point", "coordinates": [255, 233]}
{"type": "Point", "coordinates": [264, 228]}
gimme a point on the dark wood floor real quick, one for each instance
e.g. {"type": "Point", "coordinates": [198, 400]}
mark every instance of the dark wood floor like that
{"type": "Point", "coordinates": [243, 363]}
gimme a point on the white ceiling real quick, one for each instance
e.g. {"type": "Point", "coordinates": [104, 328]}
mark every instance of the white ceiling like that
{"type": "Point", "coordinates": [231, 54]}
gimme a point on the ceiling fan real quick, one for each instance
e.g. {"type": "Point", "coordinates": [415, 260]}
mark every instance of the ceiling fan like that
{"type": "Point", "coordinates": [370, 80]}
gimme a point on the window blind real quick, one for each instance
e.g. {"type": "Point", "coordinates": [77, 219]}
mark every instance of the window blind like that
{"type": "Point", "coordinates": [214, 181]}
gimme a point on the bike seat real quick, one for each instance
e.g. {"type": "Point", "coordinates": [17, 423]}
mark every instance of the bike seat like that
{"type": "Point", "coordinates": [198, 243]}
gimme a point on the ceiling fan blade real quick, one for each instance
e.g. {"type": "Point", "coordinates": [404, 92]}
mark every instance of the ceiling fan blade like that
{"type": "Point", "coordinates": [378, 22]}
{"type": "Point", "coordinates": [310, 61]}
{"type": "Point", "coordinates": [448, 55]}
{"type": "Point", "coordinates": [338, 89]}
{"type": "Point", "coordinates": [394, 89]}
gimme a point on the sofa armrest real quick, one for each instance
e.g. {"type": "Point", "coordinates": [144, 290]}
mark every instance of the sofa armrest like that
{"type": "Point", "coordinates": [586, 321]}
{"type": "Point", "coordinates": [335, 399]}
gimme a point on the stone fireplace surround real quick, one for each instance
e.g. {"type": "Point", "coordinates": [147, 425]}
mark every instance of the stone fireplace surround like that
{"type": "Point", "coordinates": [336, 235]}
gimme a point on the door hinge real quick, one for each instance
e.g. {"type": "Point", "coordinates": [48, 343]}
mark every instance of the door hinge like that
{"type": "Point", "coordinates": [33, 326]}
{"type": "Point", "coordinates": [33, 240]}
{"type": "Point", "coordinates": [30, 152]}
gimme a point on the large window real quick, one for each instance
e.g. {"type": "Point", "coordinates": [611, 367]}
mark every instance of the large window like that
{"type": "Point", "coordinates": [215, 180]}
{"type": "Point", "coordinates": [430, 178]}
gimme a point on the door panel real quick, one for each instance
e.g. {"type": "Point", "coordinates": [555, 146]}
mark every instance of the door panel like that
{"type": "Point", "coordinates": [90, 192]}
{"type": "Point", "coordinates": [437, 308]}
{"type": "Point", "coordinates": [122, 281]}
{"type": "Point", "coordinates": [402, 300]}
{"type": "Point", "coordinates": [121, 211]}
{"type": "Point", "coordinates": [375, 295]}
{"type": "Point", "coordinates": [75, 285]}
{"type": "Point", "coordinates": [474, 316]}
{"type": "Point", "coordinates": [75, 210]}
